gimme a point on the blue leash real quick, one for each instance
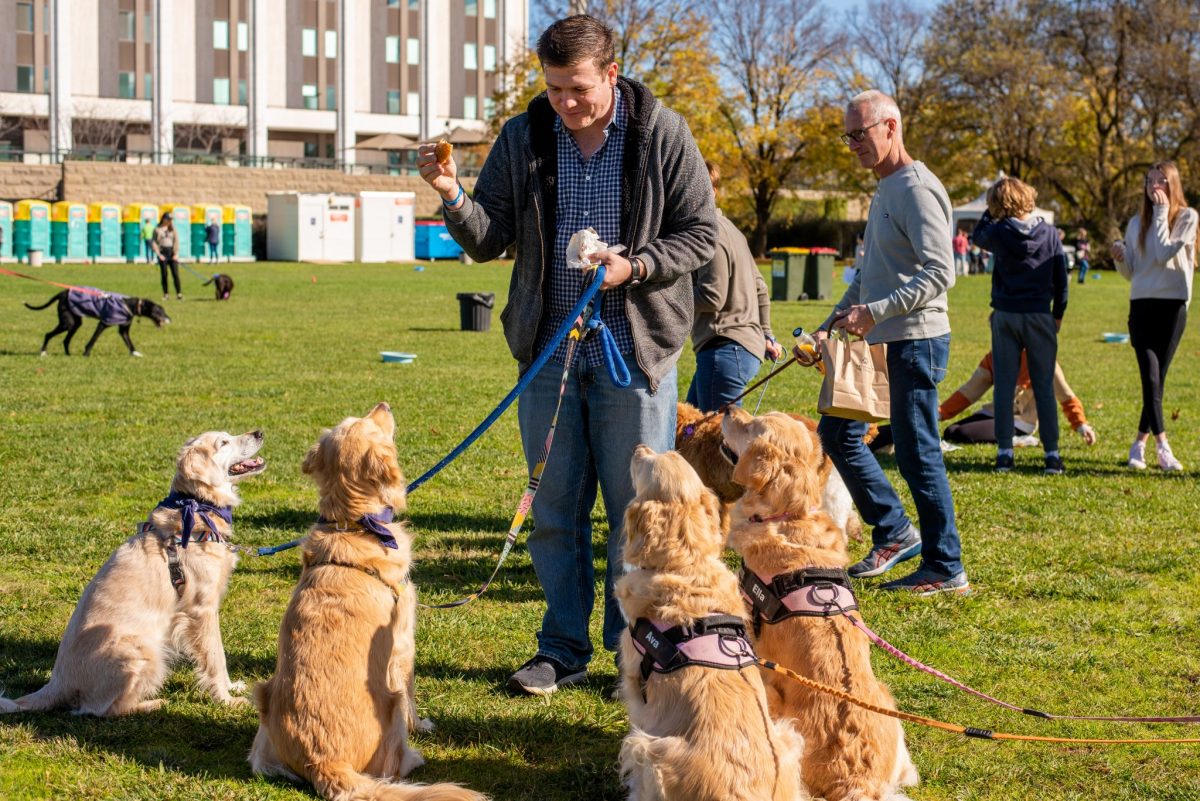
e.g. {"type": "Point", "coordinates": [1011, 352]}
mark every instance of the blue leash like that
{"type": "Point", "coordinates": [612, 357]}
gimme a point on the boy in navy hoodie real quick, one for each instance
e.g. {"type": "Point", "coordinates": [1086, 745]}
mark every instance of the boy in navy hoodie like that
{"type": "Point", "coordinates": [1029, 296]}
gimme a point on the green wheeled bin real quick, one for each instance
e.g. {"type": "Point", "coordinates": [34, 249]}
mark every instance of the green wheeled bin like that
{"type": "Point", "coordinates": [6, 229]}
{"type": "Point", "coordinates": [31, 228]}
{"type": "Point", "coordinates": [104, 232]}
{"type": "Point", "coordinates": [202, 215]}
{"type": "Point", "coordinates": [787, 273]}
{"type": "Point", "coordinates": [68, 231]}
{"type": "Point", "coordinates": [181, 216]}
{"type": "Point", "coordinates": [134, 216]}
{"type": "Point", "coordinates": [818, 276]}
{"type": "Point", "coordinates": [236, 232]}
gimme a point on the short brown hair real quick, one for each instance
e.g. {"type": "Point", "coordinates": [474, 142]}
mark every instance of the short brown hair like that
{"type": "Point", "coordinates": [576, 39]}
{"type": "Point", "coordinates": [714, 172]}
{"type": "Point", "coordinates": [1011, 197]}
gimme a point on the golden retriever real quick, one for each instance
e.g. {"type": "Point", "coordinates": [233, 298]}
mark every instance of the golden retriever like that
{"type": "Point", "coordinates": [339, 709]}
{"type": "Point", "coordinates": [116, 652]}
{"type": "Point", "coordinates": [778, 528]}
{"type": "Point", "coordinates": [697, 732]}
{"type": "Point", "coordinates": [698, 438]}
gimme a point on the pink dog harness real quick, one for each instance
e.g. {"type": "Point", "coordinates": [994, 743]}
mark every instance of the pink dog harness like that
{"type": "Point", "coordinates": [808, 592]}
{"type": "Point", "coordinates": [716, 641]}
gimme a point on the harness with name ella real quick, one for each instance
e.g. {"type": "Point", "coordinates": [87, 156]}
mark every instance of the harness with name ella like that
{"type": "Point", "coordinates": [808, 592]}
{"type": "Point", "coordinates": [715, 641]}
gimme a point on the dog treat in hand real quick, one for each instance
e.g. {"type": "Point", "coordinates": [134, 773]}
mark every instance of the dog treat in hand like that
{"type": "Point", "coordinates": [442, 151]}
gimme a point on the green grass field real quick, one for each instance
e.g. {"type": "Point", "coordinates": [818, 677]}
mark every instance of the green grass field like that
{"type": "Point", "coordinates": [1086, 595]}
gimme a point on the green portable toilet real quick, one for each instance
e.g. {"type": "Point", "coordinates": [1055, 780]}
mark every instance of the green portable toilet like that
{"type": "Point", "coordinates": [236, 233]}
{"type": "Point", "coordinates": [31, 228]}
{"type": "Point", "coordinates": [202, 215]}
{"type": "Point", "coordinates": [6, 229]}
{"type": "Point", "coordinates": [104, 232]}
{"type": "Point", "coordinates": [181, 216]}
{"type": "Point", "coordinates": [68, 231]}
{"type": "Point", "coordinates": [787, 273]}
{"type": "Point", "coordinates": [132, 219]}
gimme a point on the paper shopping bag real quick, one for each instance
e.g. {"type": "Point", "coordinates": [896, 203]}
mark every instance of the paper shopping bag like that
{"type": "Point", "coordinates": [856, 380]}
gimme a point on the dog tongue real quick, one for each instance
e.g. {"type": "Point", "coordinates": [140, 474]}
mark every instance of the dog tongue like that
{"type": "Point", "coordinates": [249, 464]}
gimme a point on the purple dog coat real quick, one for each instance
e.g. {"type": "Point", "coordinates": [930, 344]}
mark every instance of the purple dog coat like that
{"type": "Point", "coordinates": [110, 309]}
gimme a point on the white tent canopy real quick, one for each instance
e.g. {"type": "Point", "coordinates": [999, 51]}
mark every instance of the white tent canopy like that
{"type": "Point", "coordinates": [968, 214]}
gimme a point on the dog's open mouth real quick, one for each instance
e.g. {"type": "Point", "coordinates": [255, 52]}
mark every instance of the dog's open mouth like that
{"type": "Point", "coordinates": [728, 453]}
{"type": "Point", "coordinates": [248, 467]}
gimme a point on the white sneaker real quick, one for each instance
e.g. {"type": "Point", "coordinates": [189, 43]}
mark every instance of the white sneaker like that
{"type": "Point", "coordinates": [1166, 459]}
{"type": "Point", "coordinates": [1137, 455]}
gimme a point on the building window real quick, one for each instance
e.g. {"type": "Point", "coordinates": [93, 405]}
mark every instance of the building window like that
{"type": "Point", "coordinates": [126, 84]}
{"type": "Point", "coordinates": [127, 26]}
{"type": "Point", "coordinates": [472, 7]}
{"type": "Point", "coordinates": [489, 58]}
{"type": "Point", "coordinates": [221, 91]}
{"type": "Point", "coordinates": [243, 93]}
{"type": "Point", "coordinates": [414, 103]}
{"type": "Point", "coordinates": [489, 108]}
{"type": "Point", "coordinates": [414, 5]}
{"type": "Point", "coordinates": [393, 101]}
{"type": "Point", "coordinates": [331, 98]}
{"type": "Point", "coordinates": [25, 18]}
{"type": "Point", "coordinates": [243, 36]}
{"type": "Point", "coordinates": [148, 86]}
{"type": "Point", "coordinates": [391, 49]}
{"type": "Point", "coordinates": [310, 150]}
{"type": "Point", "coordinates": [220, 34]}
{"type": "Point", "coordinates": [309, 92]}
{"type": "Point", "coordinates": [24, 79]}
{"type": "Point", "coordinates": [308, 41]}
{"type": "Point", "coordinates": [393, 3]}
{"type": "Point", "coordinates": [414, 51]}
{"type": "Point", "coordinates": [470, 56]}
{"type": "Point", "coordinates": [489, 9]}
{"type": "Point", "coordinates": [330, 44]}
{"type": "Point", "coordinates": [470, 108]}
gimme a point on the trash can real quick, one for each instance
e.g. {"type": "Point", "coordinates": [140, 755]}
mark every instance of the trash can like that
{"type": "Point", "coordinates": [818, 275]}
{"type": "Point", "coordinates": [787, 273]}
{"type": "Point", "coordinates": [475, 310]}
{"type": "Point", "coordinates": [35, 258]}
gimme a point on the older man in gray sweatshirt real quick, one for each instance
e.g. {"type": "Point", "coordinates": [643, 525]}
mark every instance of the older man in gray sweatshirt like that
{"type": "Point", "coordinates": [899, 298]}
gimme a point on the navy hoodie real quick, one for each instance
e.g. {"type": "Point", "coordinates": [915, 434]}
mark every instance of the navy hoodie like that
{"type": "Point", "coordinates": [1030, 271]}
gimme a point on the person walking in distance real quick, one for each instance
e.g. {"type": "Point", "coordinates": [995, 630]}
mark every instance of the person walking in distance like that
{"type": "Point", "coordinates": [899, 298]}
{"type": "Point", "coordinates": [595, 150]}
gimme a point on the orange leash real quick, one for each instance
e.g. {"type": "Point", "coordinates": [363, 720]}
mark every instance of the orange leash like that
{"type": "Point", "coordinates": [969, 731]}
{"type": "Point", "coordinates": [88, 290]}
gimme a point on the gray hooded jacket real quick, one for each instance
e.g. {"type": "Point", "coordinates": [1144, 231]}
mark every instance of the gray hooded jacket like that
{"type": "Point", "coordinates": [668, 219]}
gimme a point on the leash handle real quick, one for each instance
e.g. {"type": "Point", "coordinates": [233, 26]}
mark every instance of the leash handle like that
{"type": "Point", "coordinates": [618, 371]}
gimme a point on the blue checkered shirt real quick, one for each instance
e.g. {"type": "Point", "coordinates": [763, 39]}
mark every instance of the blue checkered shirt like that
{"type": "Point", "coordinates": [589, 196]}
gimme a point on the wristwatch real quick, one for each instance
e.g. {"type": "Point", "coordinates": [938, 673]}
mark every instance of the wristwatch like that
{"type": "Point", "coordinates": [638, 272]}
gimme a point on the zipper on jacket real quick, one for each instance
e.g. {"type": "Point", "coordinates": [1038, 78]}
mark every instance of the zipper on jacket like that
{"type": "Point", "coordinates": [639, 210]}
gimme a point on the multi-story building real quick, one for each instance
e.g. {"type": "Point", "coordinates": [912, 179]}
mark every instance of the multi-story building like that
{"type": "Point", "coordinates": [256, 81]}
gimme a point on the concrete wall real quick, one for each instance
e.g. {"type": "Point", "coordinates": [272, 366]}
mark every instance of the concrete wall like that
{"type": "Point", "coordinates": [87, 182]}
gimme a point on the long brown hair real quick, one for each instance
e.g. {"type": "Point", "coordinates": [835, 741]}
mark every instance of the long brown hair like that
{"type": "Point", "coordinates": [1176, 202]}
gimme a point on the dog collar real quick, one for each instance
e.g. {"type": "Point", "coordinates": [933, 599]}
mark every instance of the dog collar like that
{"type": "Point", "coordinates": [189, 507]}
{"type": "Point", "coordinates": [372, 524]}
{"type": "Point", "coordinates": [808, 592]}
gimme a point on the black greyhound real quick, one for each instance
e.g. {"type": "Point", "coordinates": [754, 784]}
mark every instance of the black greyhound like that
{"type": "Point", "coordinates": [109, 309]}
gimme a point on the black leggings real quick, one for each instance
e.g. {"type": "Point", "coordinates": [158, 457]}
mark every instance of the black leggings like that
{"type": "Point", "coordinates": [1155, 328]}
{"type": "Point", "coordinates": [166, 256]}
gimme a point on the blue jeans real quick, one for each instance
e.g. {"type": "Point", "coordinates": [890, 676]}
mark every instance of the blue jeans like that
{"type": "Point", "coordinates": [598, 428]}
{"type": "Point", "coordinates": [149, 245]}
{"type": "Point", "coordinates": [212, 252]}
{"type": "Point", "coordinates": [722, 373]}
{"type": "Point", "coordinates": [1083, 270]}
{"type": "Point", "coordinates": [915, 368]}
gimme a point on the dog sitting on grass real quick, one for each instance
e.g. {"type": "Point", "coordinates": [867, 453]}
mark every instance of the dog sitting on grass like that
{"type": "Point", "coordinates": [109, 308]}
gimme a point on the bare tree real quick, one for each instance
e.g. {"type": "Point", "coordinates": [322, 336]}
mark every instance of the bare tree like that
{"type": "Point", "coordinates": [92, 132]}
{"type": "Point", "coordinates": [209, 137]}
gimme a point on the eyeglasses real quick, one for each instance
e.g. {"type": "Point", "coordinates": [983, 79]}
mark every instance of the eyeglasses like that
{"type": "Point", "coordinates": [859, 134]}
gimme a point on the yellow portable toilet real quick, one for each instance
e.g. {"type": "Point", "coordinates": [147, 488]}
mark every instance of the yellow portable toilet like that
{"type": "Point", "coordinates": [31, 228]}
{"type": "Point", "coordinates": [236, 232]}
{"type": "Point", "coordinates": [181, 216]}
{"type": "Point", "coordinates": [104, 232]}
{"type": "Point", "coordinates": [202, 215]}
{"type": "Point", "coordinates": [133, 218]}
{"type": "Point", "coordinates": [68, 231]}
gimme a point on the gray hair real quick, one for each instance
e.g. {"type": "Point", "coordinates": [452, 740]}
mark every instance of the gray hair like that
{"type": "Point", "coordinates": [875, 106]}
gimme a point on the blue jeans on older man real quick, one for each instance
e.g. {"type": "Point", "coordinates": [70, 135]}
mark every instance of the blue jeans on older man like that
{"type": "Point", "coordinates": [598, 427]}
{"type": "Point", "coordinates": [915, 368]}
{"type": "Point", "coordinates": [723, 370]}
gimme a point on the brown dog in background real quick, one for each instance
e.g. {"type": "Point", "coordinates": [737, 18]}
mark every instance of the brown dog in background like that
{"type": "Point", "coordinates": [851, 754]}
{"type": "Point", "coordinates": [340, 707]}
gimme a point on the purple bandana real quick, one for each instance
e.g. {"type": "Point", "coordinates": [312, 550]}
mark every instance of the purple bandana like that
{"type": "Point", "coordinates": [374, 524]}
{"type": "Point", "coordinates": [189, 507]}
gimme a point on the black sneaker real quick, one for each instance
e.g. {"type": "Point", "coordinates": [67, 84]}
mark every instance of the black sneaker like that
{"type": "Point", "coordinates": [1004, 462]}
{"type": "Point", "coordinates": [543, 675]}
{"type": "Point", "coordinates": [1054, 466]}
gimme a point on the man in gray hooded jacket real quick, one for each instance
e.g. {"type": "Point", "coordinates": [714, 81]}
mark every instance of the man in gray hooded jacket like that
{"type": "Point", "coordinates": [595, 151]}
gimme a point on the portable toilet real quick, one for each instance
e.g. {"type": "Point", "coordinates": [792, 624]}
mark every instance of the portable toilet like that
{"type": "Point", "coordinates": [104, 232]}
{"type": "Point", "coordinates": [384, 229]}
{"type": "Point", "coordinates": [236, 232]}
{"type": "Point", "coordinates": [6, 230]}
{"type": "Point", "coordinates": [31, 228]}
{"type": "Point", "coordinates": [202, 215]}
{"type": "Point", "coordinates": [310, 227]}
{"type": "Point", "coordinates": [132, 218]}
{"type": "Point", "coordinates": [68, 231]}
{"type": "Point", "coordinates": [181, 216]}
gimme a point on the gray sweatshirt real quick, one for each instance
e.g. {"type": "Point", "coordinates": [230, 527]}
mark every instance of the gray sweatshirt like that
{"type": "Point", "coordinates": [1165, 269]}
{"type": "Point", "coordinates": [909, 261]}
{"type": "Point", "coordinates": [731, 295]}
